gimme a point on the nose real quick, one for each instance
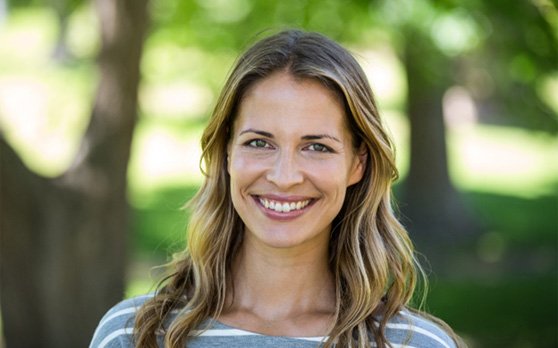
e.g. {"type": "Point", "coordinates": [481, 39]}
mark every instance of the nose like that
{"type": "Point", "coordinates": [285, 172]}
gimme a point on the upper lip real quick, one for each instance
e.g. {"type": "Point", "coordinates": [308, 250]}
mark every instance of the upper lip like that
{"type": "Point", "coordinates": [284, 198]}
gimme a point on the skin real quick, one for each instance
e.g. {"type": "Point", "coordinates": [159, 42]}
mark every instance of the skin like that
{"type": "Point", "coordinates": [290, 144]}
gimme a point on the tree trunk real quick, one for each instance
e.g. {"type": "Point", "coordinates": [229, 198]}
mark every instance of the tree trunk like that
{"type": "Point", "coordinates": [63, 240]}
{"type": "Point", "coordinates": [433, 209]}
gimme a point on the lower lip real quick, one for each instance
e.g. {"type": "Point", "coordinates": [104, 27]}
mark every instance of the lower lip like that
{"type": "Point", "coordinates": [272, 214]}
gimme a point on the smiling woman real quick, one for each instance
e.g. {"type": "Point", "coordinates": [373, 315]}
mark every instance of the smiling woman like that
{"type": "Point", "coordinates": [290, 162]}
{"type": "Point", "coordinates": [292, 240]}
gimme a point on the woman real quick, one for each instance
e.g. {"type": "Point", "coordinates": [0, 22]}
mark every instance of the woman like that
{"type": "Point", "coordinates": [292, 239]}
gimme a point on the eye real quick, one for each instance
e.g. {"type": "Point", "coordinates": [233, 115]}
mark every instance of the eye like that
{"type": "Point", "coordinates": [319, 148]}
{"type": "Point", "coordinates": [258, 143]}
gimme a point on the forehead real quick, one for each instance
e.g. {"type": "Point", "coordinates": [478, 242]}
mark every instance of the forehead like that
{"type": "Point", "coordinates": [282, 97]}
{"type": "Point", "coordinates": [283, 84]}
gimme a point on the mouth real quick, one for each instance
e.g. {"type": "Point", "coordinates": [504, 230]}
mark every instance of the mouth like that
{"type": "Point", "coordinates": [283, 207]}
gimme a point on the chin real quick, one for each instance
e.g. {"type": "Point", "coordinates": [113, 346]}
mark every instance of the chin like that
{"type": "Point", "coordinates": [289, 239]}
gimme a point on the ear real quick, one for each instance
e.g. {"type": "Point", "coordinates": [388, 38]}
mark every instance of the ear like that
{"type": "Point", "coordinates": [359, 165]}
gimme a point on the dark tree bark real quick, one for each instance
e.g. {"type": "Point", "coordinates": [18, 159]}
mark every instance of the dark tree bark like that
{"type": "Point", "coordinates": [63, 240]}
{"type": "Point", "coordinates": [433, 208]}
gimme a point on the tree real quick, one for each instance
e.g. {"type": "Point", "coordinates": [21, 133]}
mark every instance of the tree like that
{"type": "Point", "coordinates": [513, 47]}
{"type": "Point", "coordinates": [433, 208]}
{"type": "Point", "coordinates": [63, 240]}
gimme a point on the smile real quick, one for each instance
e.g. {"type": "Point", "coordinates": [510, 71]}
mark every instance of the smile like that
{"type": "Point", "coordinates": [283, 207]}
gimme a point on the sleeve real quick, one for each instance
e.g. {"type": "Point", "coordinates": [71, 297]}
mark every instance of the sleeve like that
{"type": "Point", "coordinates": [116, 328]}
{"type": "Point", "coordinates": [411, 329]}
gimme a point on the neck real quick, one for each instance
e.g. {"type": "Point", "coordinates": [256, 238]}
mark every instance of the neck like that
{"type": "Point", "coordinates": [279, 284]}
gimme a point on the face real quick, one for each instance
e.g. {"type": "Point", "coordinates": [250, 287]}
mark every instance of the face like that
{"type": "Point", "coordinates": [290, 161]}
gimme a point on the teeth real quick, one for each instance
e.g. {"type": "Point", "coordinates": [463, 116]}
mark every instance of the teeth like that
{"type": "Point", "coordinates": [283, 207]}
{"type": "Point", "coordinates": [286, 207]}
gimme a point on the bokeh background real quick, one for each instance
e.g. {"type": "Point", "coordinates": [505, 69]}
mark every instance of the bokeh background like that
{"type": "Point", "coordinates": [468, 89]}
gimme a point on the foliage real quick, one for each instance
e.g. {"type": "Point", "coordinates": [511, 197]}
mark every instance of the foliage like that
{"type": "Point", "coordinates": [501, 51]}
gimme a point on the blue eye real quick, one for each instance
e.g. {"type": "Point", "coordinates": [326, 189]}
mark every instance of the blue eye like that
{"type": "Point", "coordinates": [319, 148]}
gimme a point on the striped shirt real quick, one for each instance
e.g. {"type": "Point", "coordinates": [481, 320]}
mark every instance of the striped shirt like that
{"type": "Point", "coordinates": [116, 330]}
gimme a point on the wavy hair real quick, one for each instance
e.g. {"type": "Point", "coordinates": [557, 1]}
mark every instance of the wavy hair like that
{"type": "Point", "coordinates": [370, 254]}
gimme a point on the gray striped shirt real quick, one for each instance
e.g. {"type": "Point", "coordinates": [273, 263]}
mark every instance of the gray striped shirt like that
{"type": "Point", "coordinates": [116, 330]}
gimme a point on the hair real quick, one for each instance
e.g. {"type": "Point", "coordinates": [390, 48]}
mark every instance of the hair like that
{"type": "Point", "coordinates": [370, 254]}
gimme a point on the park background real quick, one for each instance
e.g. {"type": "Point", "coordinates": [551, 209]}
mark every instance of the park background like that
{"type": "Point", "coordinates": [92, 183]}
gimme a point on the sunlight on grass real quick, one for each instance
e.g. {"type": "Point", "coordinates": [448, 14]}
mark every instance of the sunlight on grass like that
{"type": "Point", "coordinates": [137, 287]}
{"type": "Point", "coordinates": [504, 160]}
{"type": "Point", "coordinates": [548, 90]}
{"type": "Point", "coordinates": [164, 156]}
{"type": "Point", "coordinates": [144, 275]}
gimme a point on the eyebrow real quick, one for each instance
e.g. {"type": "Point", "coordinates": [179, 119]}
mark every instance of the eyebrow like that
{"type": "Point", "coordinates": [262, 133]}
{"type": "Point", "coordinates": [320, 136]}
{"type": "Point", "coordinates": [304, 137]}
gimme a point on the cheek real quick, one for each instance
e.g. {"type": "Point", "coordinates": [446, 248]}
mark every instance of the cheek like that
{"type": "Point", "coordinates": [328, 178]}
{"type": "Point", "coordinates": [244, 169]}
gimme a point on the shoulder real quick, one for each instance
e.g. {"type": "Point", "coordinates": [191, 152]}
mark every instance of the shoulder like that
{"type": "Point", "coordinates": [115, 330]}
{"type": "Point", "coordinates": [409, 328]}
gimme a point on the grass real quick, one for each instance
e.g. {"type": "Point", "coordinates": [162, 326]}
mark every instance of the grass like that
{"type": "Point", "coordinates": [505, 312]}
{"type": "Point", "coordinates": [506, 293]}
{"type": "Point", "coordinates": [159, 221]}
{"type": "Point", "coordinates": [522, 222]}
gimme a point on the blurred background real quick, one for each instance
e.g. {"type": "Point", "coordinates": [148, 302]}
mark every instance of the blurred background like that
{"type": "Point", "coordinates": [102, 104]}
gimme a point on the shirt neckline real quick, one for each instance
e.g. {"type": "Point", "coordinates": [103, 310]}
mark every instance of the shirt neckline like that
{"type": "Point", "coordinates": [254, 333]}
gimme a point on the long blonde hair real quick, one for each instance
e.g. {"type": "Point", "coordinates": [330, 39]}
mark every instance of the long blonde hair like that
{"type": "Point", "coordinates": [371, 256]}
